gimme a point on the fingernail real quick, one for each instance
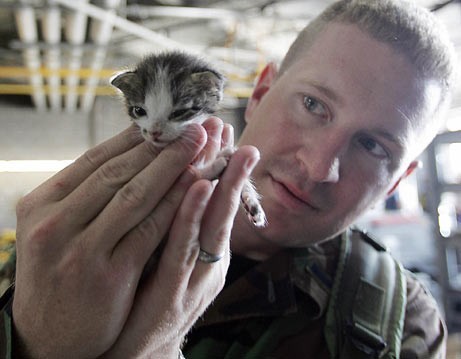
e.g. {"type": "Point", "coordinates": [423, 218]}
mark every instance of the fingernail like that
{"type": "Point", "coordinates": [216, 135]}
{"type": "Point", "coordinates": [228, 135]}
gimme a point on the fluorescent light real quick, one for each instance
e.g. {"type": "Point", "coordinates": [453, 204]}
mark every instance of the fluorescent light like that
{"type": "Point", "coordinates": [33, 165]}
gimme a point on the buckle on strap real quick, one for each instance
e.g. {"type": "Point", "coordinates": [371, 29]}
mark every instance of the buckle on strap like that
{"type": "Point", "coordinates": [365, 340]}
{"type": "Point", "coordinates": [365, 327]}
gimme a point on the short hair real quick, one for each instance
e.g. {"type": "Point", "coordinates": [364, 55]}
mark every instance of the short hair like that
{"type": "Point", "coordinates": [409, 29]}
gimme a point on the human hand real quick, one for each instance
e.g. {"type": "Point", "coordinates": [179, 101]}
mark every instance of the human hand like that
{"type": "Point", "coordinates": [173, 297]}
{"type": "Point", "coordinates": [84, 236]}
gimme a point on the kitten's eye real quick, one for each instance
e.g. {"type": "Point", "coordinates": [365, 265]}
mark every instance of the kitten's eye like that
{"type": "Point", "coordinates": [315, 106]}
{"type": "Point", "coordinates": [179, 113]}
{"type": "Point", "coordinates": [137, 111]}
{"type": "Point", "coordinates": [370, 145]}
{"type": "Point", "coordinates": [184, 114]}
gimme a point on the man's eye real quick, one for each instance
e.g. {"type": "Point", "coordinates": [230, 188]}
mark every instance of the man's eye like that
{"type": "Point", "coordinates": [137, 111]}
{"type": "Point", "coordinates": [373, 147]}
{"type": "Point", "coordinates": [314, 106]}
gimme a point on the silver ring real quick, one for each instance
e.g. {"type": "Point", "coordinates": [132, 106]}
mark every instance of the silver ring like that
{"type": "Point", "coordinates": [205, 257]}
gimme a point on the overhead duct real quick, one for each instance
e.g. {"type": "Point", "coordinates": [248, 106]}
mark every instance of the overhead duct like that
{"type": "Point", "coordinates": [100, 34]}
{"type": "Point", "coordinates": [75, 32]}
{"type": "Point", "coordinates": [51, 29]}
{"type": "Point", "coordinates": [27, 31]}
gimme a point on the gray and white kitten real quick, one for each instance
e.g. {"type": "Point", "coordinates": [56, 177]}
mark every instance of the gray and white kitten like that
{"type": "Point", "coordinates": [166, 92]}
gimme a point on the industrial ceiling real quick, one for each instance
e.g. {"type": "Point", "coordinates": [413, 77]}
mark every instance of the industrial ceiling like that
{"type": "Point", "coordinates": [58, 55]}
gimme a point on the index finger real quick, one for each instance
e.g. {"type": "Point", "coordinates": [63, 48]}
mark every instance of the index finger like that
{"type": "Point", "coordinates": [223, 205]}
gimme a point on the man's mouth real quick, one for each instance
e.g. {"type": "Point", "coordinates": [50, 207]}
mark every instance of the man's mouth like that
{"type": "Point", "coordinates": [292, 197]}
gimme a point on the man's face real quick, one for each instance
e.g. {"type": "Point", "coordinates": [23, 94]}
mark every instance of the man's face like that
{"type": "Point", "coordinates": [335, 132]}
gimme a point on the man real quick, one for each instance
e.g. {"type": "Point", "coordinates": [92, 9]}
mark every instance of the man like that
{"type": "Point", "coordinates": [357, 98]}
{"type": "Point", "coordinates": [338, 126]}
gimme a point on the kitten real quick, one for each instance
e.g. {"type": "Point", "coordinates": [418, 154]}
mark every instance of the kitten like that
{"type": "Point", "coordinates": [166, 92]}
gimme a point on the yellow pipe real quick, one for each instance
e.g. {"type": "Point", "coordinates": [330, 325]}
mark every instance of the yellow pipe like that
{"type": "Point", "coordinates": [12, 72]}
{"type": "Point", "coordinates": [15, 71]}
{"type": "Point", "coordinates": [13, 89]}
{"type": "Point", "coordinates": [17, 89]}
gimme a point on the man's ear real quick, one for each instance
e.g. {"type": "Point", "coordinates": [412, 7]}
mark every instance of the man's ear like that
{"type": "Point", "coordinates": [263, 84]}
{"type": "Point", "coordinates": [411, 167]}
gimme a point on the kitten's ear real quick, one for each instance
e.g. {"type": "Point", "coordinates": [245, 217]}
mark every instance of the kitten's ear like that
{"type": "Point", "coordinates": [209, 79]}
{"type": "Point", "coordinates": [129, 83]}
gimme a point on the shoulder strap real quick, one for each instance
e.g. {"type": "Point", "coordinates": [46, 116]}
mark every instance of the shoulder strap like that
{"type": "Point", "coordinates": [367, 305]}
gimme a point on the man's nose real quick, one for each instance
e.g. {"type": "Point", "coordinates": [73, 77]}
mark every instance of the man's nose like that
{"type": "Point", "coordinates": [321, 162]}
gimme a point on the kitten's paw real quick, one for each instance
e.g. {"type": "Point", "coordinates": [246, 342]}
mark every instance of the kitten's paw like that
{"type": "Point", "coordinates": [227, 152]}
{"type": "Point", "coordinates": [214, 169]}
{"type": "Point", "coordinates": [252, 207]}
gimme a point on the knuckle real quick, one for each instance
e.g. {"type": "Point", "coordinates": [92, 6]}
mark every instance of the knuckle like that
{"type": "Point", "coordinates": [95, 156]}
{"type": "Point", "coordinates": [47, 227]}
{"type": "Point", "coordinates": [149, 228]}
{"type": "Point", "coordinates": [24, 206]}
{"type": "Point", "coordinates": [222, 235]}
{"type": "Point", "coordinates": [132, 195]}
{"type": "Point", "coordinates": [112, 172]}
{"type": "Point", "coordinates": [43, 233]}
{"type": "Point", "coordinates": [172, 200]}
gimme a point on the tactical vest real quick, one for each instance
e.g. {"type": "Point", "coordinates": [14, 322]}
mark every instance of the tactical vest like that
{"type": "Point", "coordinates": [366, 311]}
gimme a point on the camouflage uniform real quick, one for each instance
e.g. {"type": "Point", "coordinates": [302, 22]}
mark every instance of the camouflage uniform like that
{"type": "Point", "coordinates": [276, 309]}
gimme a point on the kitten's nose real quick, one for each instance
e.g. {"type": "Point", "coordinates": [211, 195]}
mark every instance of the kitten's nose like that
{"type": "Point", "coordinates": [155, 134]}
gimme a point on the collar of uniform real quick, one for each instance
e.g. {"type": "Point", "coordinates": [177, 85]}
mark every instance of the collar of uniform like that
{"type": "Point", "coordinates": [276, 286]}
{"type": "Point", "coordinates": [313, 271]}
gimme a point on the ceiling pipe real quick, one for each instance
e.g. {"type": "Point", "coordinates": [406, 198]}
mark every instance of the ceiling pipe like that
{"type": "Point", "coordinates": [146, 11]}
{"type": "Point", "coordinates": [51, 28]}
{"type": "Point", "coordinates": [125, 25]}
{"type": "Point", "coordinates": [100, 34]}
{"type": "Point", "coordinates": [75, 32]}
{"type": "Point", "coordinates": [27, 30]}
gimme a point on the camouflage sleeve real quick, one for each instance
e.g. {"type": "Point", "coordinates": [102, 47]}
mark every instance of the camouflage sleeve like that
{"type": "Point", "coordinates": [6, 324]}
{"type": "Point", "coordinates": [424, 334]}
{"type": "Point", "coordinates": [7, 259]}
{"type": "Point", "coordinates": [7, 268]}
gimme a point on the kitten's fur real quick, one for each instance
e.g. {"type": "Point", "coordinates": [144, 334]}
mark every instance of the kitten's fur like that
{"type": "Point", "coordinates": [166, 92]}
